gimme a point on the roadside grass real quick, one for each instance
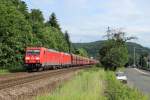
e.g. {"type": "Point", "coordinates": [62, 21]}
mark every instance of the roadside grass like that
{"type": "Point", "coordinates": [118, 91]}
{"type": "Point", "coordinates": [87, 85]}
{"type": "Point", "coordinates": [94, 84]}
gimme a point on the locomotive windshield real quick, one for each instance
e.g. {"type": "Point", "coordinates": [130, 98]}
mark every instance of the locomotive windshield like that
{"type": "Point", "coordinates": [33, 52]}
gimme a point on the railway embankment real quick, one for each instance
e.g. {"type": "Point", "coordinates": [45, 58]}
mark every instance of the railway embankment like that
{"type": "Point", "coordinates": [25, 86]}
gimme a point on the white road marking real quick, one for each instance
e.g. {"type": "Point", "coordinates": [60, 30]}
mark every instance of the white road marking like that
{"type": "Point", "coordinates": [141, 71]}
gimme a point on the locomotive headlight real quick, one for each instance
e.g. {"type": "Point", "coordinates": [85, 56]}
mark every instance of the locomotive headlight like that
{"type": "Point", "coordinates": [37, 58]}
{"type": "Point", "coordinates": [27, 58]}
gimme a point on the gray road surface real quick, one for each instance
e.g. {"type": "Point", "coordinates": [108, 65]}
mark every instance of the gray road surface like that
{"type": "Point", "coordinates": [138, 80]}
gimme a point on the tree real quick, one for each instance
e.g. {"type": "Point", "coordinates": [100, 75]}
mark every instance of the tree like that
{"type": "Point", "coordinates": [53, 22]}
{"type": "Point", "coordinates": [36, 16]}
{"type": "Point", "coordinates": [113, 56]}
{"type": "Point", "coordinates": [114, 53]}
{"type": "Point", "coordinates": [22, 7]}
{"type": "Point", "coordinates": [67, 37]}
{"type": "Point", "coordinates": [36, 20]}
{"type": "Point", "coordinates": [18, 31]}
{"type": "Point", "coordinates": [81, 52]}
{"type": "Point", "coordinates": [15, 34]}
{"type": "Point", "coordinates": [143, 62]}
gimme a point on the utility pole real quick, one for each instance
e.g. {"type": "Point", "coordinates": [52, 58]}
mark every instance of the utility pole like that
{"type": "Point", "coordinates": [141, 62]}
{"type": "Point", "coordinates": [134, 58]}
{"type": "Point", "coordinates": [108, 32]}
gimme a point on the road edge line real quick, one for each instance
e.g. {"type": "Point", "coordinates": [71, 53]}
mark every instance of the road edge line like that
{"type": "Point", "coordinates": [141, 71]}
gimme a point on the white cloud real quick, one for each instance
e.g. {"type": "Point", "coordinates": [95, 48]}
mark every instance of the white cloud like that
{"type": "Point", "coordinates": [87, 20]}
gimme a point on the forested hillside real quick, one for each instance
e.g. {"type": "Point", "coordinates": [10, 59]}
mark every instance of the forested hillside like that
{"type": "Point", "coordinates": [20, 28]}
{"type": "Point", "coordinates": [94, 47]}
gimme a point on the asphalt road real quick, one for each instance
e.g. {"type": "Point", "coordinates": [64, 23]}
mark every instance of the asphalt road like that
{"type": "Point", "coordinates": [139, 79]}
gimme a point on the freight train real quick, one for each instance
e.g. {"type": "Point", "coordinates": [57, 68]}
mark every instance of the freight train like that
{"type": "Point", "coordinates": [40, 58]}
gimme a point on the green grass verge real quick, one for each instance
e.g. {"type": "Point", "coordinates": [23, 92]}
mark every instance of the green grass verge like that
{"type": "Point", "coordinates": [118, 91]}
{"type": "Point", "coordinates": [94, 84]}
{"type": "Point", "coordinates": [16, 69]}
{"type": "Point", "coordinates": [121, 69]}
{"type": "Point", "coordinates": [4, 71]}
{"type": "Point", "coordinates": [11, 70]}
{"type": "Point", "coordinates": [87, 85]}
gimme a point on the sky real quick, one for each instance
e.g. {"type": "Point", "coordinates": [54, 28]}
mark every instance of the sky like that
{"type": "Point", "coordinates": [87, 20]}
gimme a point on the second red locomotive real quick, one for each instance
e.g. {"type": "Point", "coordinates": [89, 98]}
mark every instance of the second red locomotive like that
{"type": "Point", "coordinates": [42, 58]}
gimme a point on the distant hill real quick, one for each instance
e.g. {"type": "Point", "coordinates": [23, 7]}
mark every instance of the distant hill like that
{"type": "Point", "coordinates": [94, 47]}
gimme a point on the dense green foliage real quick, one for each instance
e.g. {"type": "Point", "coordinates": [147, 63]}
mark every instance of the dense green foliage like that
{"type": "Point", "coordinates": [144, 60]}
{"type": "Point", "coordinates": [53, 22]}
{"type": "Point", "coordinates": [20, 29]}
{"type": "Point", "coordinates": [113, 54]}
{"type": "Point", "coordinates": [81, 52]}
{"type": "Point", "coordinates": [67, 37]}
{"type": "Point", "coordinates": [15, 34]}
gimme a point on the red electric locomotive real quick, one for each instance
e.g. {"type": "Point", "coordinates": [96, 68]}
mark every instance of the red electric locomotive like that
{"type": "Point", "coordinates": [43, 58]}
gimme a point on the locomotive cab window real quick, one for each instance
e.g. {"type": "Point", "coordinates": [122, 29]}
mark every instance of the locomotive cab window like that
{"type": "Point", "coordinates": [33, 52]}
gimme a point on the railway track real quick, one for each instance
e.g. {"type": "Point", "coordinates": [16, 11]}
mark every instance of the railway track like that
{"type": "Point", "coordinates": [18, 81]}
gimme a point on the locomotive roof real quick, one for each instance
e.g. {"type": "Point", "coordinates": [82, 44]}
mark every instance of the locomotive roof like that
{"type": "Point", "coordinates": [33, 47]}
{"type": "Point", "coordinates": [52, 50]}
{"type": "Point", "coordinates": [66, 53]}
